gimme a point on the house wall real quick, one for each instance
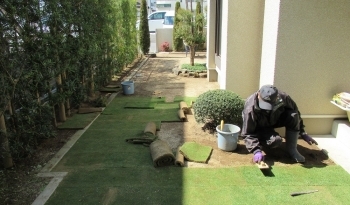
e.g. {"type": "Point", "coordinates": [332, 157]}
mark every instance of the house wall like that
{"type": "Point", "coordinates": [312, 58]}
{"type": "Point", "coordinates": [164, 35]}
{"type": "Point", "coordinates": [244, 40]}
{"type": "Point", "coordinates": [238, 67]}
{"type": "Point", "coordinates": [211, 66]}
{"type": "Point", "coordinates": [313, 52]}
{"type": "Point", "coordinates": [300, 46]}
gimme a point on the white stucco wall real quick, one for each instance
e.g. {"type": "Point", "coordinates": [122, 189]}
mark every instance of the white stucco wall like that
{"type": "Point", "coordinates": [311, 62]}
{"type": "Point", "coordinates": [300, 46]}
{"type": "Point", "coordinates": [313, 49]}
{"type": "Point", "coordinates": [241, 39]}
{"type": "Point", "coordinates": [269, 44]}
{"type": "Point", "coordinates": [164, 35]}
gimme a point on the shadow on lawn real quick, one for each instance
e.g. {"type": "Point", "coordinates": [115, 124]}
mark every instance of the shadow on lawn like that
{"type": "Point", "coordinates": [313, 156]}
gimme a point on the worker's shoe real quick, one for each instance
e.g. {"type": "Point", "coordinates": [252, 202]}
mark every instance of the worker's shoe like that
{"type": "Point", "coordinates": [291, 145]}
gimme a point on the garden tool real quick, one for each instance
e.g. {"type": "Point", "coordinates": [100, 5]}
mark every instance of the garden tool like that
{"type": "Point", "coordinates": [303, 192]}
{"type": "Point", "coordinates": [262, 165]}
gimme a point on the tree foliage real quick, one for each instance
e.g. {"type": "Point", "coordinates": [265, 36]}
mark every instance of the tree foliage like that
{"type": "Point", "coordinates": [190, 30]}
{"type": "Point", "coordinates": [177, 41]}
{"type": "Point", "coordinates": [199, 17]}
{"type": "Point", "coordinates": [55, 53]}
{"type": "Point", "coordinates": [145, 40]}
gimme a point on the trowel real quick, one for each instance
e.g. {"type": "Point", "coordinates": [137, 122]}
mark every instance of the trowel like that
{"type": "Point", "coordinates": [262, 165]}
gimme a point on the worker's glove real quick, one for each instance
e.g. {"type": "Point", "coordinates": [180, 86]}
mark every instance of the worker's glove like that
{"type": "Point", "coordinates": [258, 156]}
{"type": "Point", "coordinates": [308, 139]}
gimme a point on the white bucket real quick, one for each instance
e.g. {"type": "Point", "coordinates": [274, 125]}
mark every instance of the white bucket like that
{"type": "Point", "coordinates": [228, 137]}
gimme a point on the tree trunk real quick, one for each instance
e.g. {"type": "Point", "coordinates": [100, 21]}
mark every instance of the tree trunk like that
{"type": "Point", "coordinates": [91, 86]}
{"type": "Point", "coordinates": [67, 107]}
{"type": "Point", "coordinates": [13, 117]}
{"type": "Point", "coordinates": [67, 103]}
{"type": "Point", "coordinates": [5, 153]}
{"type": "Point", "coordinates": [54, 120]}
{"type": "Point", "coordinates": [38, 97]}
{"type": "Point", "coordinates": [61, 110]}
{"type": "Point", "coordinates": [193, 52]}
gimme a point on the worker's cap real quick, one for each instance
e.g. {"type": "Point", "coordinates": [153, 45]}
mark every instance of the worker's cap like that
{"type": "Point", "coordinates": [268, 95]}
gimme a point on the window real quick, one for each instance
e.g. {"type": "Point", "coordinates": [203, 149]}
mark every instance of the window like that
{"type": "Point", "coordinates": [169, 20]}
{"type": "Point", "coordinates": [218, 25]}
{"type": "Point", "coordinates": [157, 16]}
{"type": "Point", "coordinates": [163, 5]}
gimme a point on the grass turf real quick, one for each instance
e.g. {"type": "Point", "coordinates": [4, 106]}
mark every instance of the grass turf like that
{"type": "Point", "coordinates": [196, 152]}
{"type": "Point", "coordinates": [173, 185]}
{"type": "Point", "coordinates": [140, 105]}
{"type": "Point", "coordinates": [104, 169]}
{"type": "Point", "coordinates": [78, 121]}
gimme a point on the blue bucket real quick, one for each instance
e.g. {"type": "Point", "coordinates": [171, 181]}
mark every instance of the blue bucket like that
{"type": "Point", "coordinates": [128, 87]}
{"type": "Point", "coordinates": [228, 137]}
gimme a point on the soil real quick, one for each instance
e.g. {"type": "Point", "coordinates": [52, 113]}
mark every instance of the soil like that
{"type": "Point", "coordinates": [20, 184]}
{"type": "Point", "coordinates": [152, 77]}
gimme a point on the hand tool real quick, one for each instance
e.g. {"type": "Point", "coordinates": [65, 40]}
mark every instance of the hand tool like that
{"type": "Point", "coordinates": [222, 125]}
{"type": "Point", "coordinates": [303, 192]}
{"type": "Point", "coordinates": [262, 165]}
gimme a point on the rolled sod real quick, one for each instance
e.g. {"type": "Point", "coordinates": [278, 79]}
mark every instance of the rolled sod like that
{"type": "Point", "coordinates": [161, 154]}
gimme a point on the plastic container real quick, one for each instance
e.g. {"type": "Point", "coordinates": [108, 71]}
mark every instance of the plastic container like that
{"type": "Point", "coordinates": [128, 87]}
{"type": "Point", "coordinates": [228, 137]}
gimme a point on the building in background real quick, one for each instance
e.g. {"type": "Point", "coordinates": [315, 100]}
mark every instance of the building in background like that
{"type": "Point", "coordinates": [302, 47]}
{"type": "Point", "coordinates": [169, 5]}
{"type": "Point", "coordinates": [151, 5]}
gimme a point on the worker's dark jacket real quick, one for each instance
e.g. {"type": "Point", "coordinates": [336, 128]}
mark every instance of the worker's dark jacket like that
{"type": "Point", "coordinates": [256, 120]}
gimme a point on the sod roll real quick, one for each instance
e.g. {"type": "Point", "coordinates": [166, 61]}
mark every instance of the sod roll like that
{"type": "Point", "coordinates": [184, 107]}
{"type": "Point", "coordinates": [180, 159]}
{"type": "Point", "coordinates": [145, 140]}
{"type": "Point", "coordinates": [161, 154]}
{"type": "Point", "coordinates": [151, 127]}
{"type": "Point", "coordinates": [181, 115]}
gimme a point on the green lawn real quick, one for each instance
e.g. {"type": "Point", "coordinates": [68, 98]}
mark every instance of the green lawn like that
{"type": "Point", "coordinates": [104, 169]}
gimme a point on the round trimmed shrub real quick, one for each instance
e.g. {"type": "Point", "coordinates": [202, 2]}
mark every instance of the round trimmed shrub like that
{"type": "Point", "coordinates": [215, 105]}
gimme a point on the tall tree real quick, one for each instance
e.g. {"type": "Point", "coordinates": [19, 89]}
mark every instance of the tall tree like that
{"type": "Point", "coordinates": [199, 17]}
{"type": "Point", "coordinates": [177, 41]}
{"type": "Point", "coordinates": [145, 40]}
{"type": "Point", "coordinates": [53, 52]}
{"type": "Point", "coordinates": [189, 31]}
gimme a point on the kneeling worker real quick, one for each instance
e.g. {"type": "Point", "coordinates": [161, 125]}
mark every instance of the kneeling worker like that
{"type": "Point", "coordinates": [265, 110]}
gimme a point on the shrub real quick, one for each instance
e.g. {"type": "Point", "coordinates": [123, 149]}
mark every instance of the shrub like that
{"type": "Point", "coordinates": [164, 46]}
{"type": "Point", "coordinates": [197, 67]}
{"type": "Point", "coordinates": [101, 101]}
{"type": "Point", "coordinates": [215, 105]}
